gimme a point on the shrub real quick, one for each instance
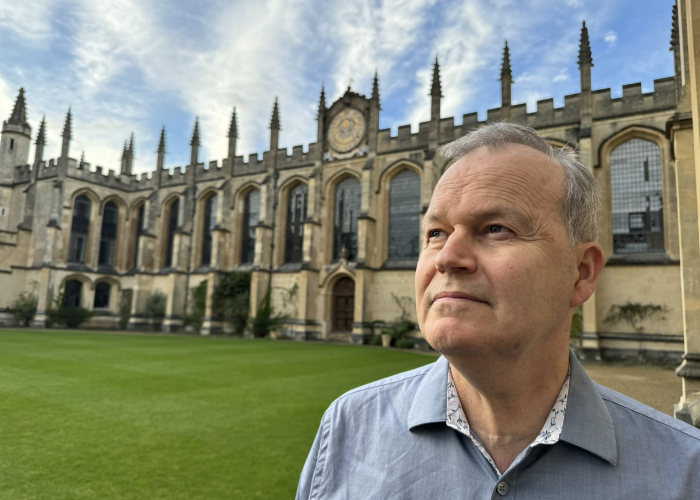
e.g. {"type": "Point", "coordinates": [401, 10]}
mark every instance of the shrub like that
{"type": "Point", "coordinates": [405, 343]}
{"type": "Point", "coordinates": [231, 300]}
{"type": "Point", "coordinates": [125, 308]}
{"type": "Point", "coordinates": [69, 316]}
{"type": "Point", "coordinates": [24, 307]}
{"type": "Point", "coordinates": [155, 309]}
{"type": "Point", "coordinates": [195, 317]}
{"type": "Point", "coordinates": [633, 313]}
{"type": "Point", "coordinates": [577, 323]}
{"type": "Point", "coordinates": [376, 340]}
{"type": "Point", "coordinates": [265, 320]}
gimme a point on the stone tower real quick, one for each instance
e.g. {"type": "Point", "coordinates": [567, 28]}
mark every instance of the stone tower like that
{"type": "Point", "coordinates": [15, 141]}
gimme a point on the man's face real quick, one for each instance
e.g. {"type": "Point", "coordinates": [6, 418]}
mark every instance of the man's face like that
{"type": "Point", "coordinates": [496, 271]}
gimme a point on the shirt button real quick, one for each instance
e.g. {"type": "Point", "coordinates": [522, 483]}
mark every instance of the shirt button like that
{"type": "Point", "coordinates": [502, 489]}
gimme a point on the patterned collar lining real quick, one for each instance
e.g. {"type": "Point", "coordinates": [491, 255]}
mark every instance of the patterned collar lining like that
{"type": "Point", "coordinates": [548, 435]}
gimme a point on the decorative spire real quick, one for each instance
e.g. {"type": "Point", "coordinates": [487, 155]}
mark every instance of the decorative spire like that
{"type": "Point", "coordinates": [375, 86]}
{"type": "Point", "coordinates": [436, 89]}
{"type": "Point", "coordinates": [161, 143]}
{"type": "Point", "coordinates": [19, 112]}
{"type": "Point", "coordinates": [195, 133]}
{"type": "Point", "coordinates": [233, 128]}
{"type": "Point", "coordinates": [584, 51]}
{"type": "Point", "coordinates": [131, 146]}
{"type": "Point", "coordinates": [125, 150]}
{"type": "Point", "coordinates": [82, 159]}
{"type": "Point", "coordinates": [505, 69]}
{"type": "Point", "coordinates": [41, 136]}
{"type": "Point", "coordinates": [275, 121]}
{"type": "Point", "coordinates": [67, 127]}
{"type": "Point", "coordinates": [674, 29]}
{"type": "Point", "coordinates": [322, 100]}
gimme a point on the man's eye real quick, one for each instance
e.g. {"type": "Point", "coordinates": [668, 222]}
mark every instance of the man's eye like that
{"type": "Point", "coordinates": [495, 228]}
{"type": "Point", "coordinates": [435, 233]}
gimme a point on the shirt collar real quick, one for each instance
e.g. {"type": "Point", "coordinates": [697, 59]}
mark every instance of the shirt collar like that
{"type": "Point", "coordinates": [588, 422]}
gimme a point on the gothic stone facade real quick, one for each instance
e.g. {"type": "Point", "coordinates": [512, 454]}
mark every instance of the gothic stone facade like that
{"type": "Point", "coordinates": [340, 221]}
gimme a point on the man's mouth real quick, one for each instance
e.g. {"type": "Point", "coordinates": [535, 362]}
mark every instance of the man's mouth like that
{"type": "Point", "coordinates": [456, 296]}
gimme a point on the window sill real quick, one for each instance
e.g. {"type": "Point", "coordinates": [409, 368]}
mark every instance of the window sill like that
{"type": "Point", "coordinates": [642, 259]}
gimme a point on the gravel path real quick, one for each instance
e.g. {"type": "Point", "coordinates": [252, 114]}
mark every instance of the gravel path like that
{"type": "Point", "coordinates": [655, 387]}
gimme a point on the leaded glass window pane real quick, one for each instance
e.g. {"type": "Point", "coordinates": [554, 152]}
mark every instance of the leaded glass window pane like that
{"type": "Point", "coordinates": [170, 235]}
{"type": "Point", "coordinates": [208, 224]}
{"type": "Point", "coordinates": [102, 291]}
{"type": "Point", "coordinates": [80, 227]}
{"type": "Point", "coordinates": [404, 215]}
{"type": "Point", "coordinates": [348, 196]}
{"type": "Point", "coordinates": [137, 233]}
{"type": "Point", "coordinates": [637, 201]}
{"type": "Point", "coordinates": [108, 237]}
{"type": "Point", "coordinates": [251, 216]}
{"type": "Point", "coordinates": [295, 224]}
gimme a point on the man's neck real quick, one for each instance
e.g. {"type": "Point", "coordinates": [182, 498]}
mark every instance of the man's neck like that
{"type": "Point", "coordinates": [507, 407]}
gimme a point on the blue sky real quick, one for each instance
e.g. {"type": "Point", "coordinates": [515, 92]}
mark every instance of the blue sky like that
{"type": "Point", "coordinates": [135, 65]}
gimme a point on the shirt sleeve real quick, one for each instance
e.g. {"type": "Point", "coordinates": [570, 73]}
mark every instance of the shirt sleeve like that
{"type": "Point", "coordinates": [314, 463]}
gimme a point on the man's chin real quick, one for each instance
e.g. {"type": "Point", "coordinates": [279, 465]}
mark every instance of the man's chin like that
{"type": "Point", "coordinates": [453, 337]}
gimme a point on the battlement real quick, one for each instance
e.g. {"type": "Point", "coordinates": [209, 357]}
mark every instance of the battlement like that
{"type": "Point", "coordinates": [298, 158]}
{"type": "Point", "coordinates": [254, 165]}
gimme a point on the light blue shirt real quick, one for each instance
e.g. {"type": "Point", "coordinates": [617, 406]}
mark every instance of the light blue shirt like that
{"type": "Point", "coordinates": [389, 440]}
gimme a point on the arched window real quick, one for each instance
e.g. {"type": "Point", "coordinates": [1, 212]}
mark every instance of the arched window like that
{"type": "Point", "coordinates": [251, 216]}
{"type": "Point", "coordinates": [108, 237]}
{"type": "Point", "coordinates": [80, 228]}
{"type": "Point", "coordinates": [102, 291]}
{"type": "Point", "coordinates": [171, 220]}
{"type": "Point", "coordinates": [208, 223]}
{"type": "Point", "coordinates": [347, 209]}
{"type": "Point", "coordinates": [404, 215]}
{"type": "Point", "coordinates": [295, 224]}
{"type": "Point", "coordinates": [73, 293]}
{"type": "Point", "coordinates": [138, 230]}
{"type": "Point", "coordinates": [637, 201]}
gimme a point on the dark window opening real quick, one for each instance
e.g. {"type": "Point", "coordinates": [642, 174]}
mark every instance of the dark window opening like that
{"type": "Point", "coordinates": [637, 200]}
{"type": "Point", "coordinates": [251, 216]}
{"type": "Point", "coordinates": [347, 209]}
{"type": "Point", "coordinates": [137, 234]}
{"type": "Point", "coordinates": [173, 210]}
{"type": "Point", "coordinates": [108, 237]}
{"type": "Point", "coordinates": [210, 207]}
{"type": "Point", "coordinates": [102, 291]}
{"type": "Point", "coordinates": [12, 144]}
{"type": "Point", "coordinates": [73, 293]}
{"type": "Point", "coordinates": [80, 228]}
{"type": "Point", "coordinates": [296, 214]}
{"type": "Point", "coordinates": [404, 215]}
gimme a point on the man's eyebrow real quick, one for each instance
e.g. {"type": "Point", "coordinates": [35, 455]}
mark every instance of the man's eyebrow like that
{"type": "Point", "coordinates": [519, 218]}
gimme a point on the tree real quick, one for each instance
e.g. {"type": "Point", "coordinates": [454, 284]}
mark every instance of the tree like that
{"type": "Point", "coordinates": [155, 309]}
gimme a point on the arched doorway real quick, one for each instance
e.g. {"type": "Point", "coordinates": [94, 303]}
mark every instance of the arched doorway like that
{"type": "Point", "coordinates": [343, 305]}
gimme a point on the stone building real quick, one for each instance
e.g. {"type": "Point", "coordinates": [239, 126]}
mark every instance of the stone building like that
{"type": "Point", "coordinates": [339, 221]}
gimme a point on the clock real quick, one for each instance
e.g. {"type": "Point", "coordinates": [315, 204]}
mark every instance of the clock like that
{"type": "Point", "coordinates": [346, 130]}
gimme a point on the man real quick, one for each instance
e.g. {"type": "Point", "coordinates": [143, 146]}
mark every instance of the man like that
{"type": "Point", "coordinates": [509, 252]}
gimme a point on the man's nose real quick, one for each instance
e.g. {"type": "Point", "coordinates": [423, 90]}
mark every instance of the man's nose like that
{"type": "Point", "coordinates": [457, 255]}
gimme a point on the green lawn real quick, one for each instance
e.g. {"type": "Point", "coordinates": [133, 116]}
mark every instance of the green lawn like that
{"type": "Point", "coordinates": [100, 416]}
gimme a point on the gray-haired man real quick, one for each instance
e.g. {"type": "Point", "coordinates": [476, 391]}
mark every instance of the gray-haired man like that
{"type": "Point", "coordinates": [509, 251]}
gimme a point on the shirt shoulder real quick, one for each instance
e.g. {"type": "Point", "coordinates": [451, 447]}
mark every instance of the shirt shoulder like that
{"type": "Point", "coordinates": [664, 426]}
{"type": "Point", "coordinates": [399, 388]}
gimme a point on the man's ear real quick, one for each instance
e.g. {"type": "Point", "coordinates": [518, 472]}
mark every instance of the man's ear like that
{"type": "Point", "coordinates": [591, 260]}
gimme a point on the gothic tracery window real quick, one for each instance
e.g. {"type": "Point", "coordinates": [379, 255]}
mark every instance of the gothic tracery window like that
{"type": "Point", "coordinates": [102, 293]}
{"type": "Point", "coordinates": [296, 213]}
{"type": "Point", "coordinates": [108, 236]}
{"type": "Point", "coordinates": [208, 223]}
{"type": "Point", "coordinates": [251, 216]}
{"type": "Point", "coordinates": [137, 231]}
{"type": "Point", "coordinates": [347, 209]}
{"type": "Point", "coordinates": [80, 229]}
{"type": "Point", "coordinates": [404, 215]}
{"type": "Point", "coordinates": [171, 221]}
{"type": "Point", "coordinates": [637, 200]}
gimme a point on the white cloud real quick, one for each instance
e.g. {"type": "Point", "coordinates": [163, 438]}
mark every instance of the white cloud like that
{"type": "Point", "coordinates": [562, 76]}
{"type": "Point", "coordinates": [611, 38]}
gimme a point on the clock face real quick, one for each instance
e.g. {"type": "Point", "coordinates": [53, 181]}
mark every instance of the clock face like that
{"type": "Point", "coordinates": [346, 130]}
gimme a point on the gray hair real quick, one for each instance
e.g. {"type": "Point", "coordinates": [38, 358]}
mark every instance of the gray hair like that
{"type": "Point", "coordinates": [581, 202]}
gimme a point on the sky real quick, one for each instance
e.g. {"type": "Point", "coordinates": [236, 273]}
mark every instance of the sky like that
{"type": "Point", "coordinates": [134, 66]}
